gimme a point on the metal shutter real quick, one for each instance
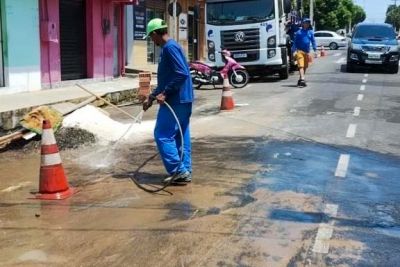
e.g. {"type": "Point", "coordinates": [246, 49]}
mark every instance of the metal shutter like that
{"type": "Point", "coordinates": [73, 39]}
{"type": "Point", "coordinates": [156, 4]}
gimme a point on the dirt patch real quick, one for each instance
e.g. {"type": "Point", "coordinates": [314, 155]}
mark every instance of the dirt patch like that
{"type": "Point", "coordinates": [67, 138]}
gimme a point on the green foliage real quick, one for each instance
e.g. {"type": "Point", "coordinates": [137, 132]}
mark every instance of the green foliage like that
{"type": "Point", "coordinates": [335, 14]}
{"type": "Point", "coordinates": [393, 16]}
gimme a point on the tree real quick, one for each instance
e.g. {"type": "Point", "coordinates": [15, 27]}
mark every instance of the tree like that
{"type": "Point", "coordinates": [358, 15]}
{"type": "Point", "coordinates": [393, 16]}
{"type": "Point", "coordinates": [335, 14]}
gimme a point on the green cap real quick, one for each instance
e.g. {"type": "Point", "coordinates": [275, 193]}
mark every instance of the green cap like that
{"type": "Point", "coordinates": [155, 24]}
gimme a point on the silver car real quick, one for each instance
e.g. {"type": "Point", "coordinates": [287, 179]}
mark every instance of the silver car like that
{"type": "Point", "coordinates": [330, 39]}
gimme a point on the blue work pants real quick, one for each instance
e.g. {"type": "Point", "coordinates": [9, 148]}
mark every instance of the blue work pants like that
{"type": "Point", "coordinates": [168, 138]}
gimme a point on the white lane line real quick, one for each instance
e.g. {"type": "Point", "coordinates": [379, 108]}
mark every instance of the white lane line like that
{"type": "Point", "coordinates": [343, 165]}
{"type": "Point", "coordinates": [341, 60]}
{"type": "Point", "coordinates": [366, 75]}
{"type": "Point", "coordinates": [337, 54]}
{"type": "Point", "coordinates": [362, 88]}
{"type": "Point", "coordinates": [351, 131]}
{"type": "Point", "coordinates": [364, 81]}
{"type": "Point", "coordinates": [357, 111]}
{"type": "Point", "coordinates": [360, 97]}
{"type": "Point", "coordinates": [242, 105]}
{"type": "Point", "coordinates": [325, 231]}
{"type": "Point", "coordinates": [331, 210]}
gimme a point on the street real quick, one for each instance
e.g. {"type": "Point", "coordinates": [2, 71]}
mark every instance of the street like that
{"type": "Point", "coordinates": [290, 177]}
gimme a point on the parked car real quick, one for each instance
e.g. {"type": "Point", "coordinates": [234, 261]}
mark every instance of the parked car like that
{"type": "Point", "coordinates": [330, 39]}
{"type": "Point", "coordinates": [374, 44]}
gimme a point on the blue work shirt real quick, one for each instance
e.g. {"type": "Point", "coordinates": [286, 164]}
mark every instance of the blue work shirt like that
{"type": "Point", "coordinates": [303, 39]}
{"type": "Point", "coordinates": [173, 75]}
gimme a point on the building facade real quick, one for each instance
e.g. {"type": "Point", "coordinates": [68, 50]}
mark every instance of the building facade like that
{"type": "Point", "coordinates": [187, 28]}
{"type": "Point", "coordinates": [48, 42]}
{"type": "Point", "coordinates": [20, 46]}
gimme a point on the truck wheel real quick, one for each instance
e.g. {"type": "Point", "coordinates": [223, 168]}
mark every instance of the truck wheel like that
{"type": "Point", "coordinates": [284, 73]}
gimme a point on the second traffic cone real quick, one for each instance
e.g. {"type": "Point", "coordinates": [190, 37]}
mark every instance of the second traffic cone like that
{"type": "Point", "coordinates": [227, 102]}
{"type": "Point", "coordinates": [53, 183]}
{"type": "Point", "coordinates": [323, 52]}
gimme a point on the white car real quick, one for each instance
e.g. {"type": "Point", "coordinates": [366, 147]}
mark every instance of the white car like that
{"type": "Point", "coordinates": [330, 39]}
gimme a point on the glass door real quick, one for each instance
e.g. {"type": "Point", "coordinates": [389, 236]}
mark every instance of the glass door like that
{"type": "Point", "coordinates": [153, 51]}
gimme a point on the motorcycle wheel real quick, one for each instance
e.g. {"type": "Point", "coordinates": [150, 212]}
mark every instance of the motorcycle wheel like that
{"type": "Point", "coordinates": [196, 84]}
{"type": "Point", "coordinates": [240, 80]}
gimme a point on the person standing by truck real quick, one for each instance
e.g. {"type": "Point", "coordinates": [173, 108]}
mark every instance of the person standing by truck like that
{"type": "Point", "coordinates": [303, 39]}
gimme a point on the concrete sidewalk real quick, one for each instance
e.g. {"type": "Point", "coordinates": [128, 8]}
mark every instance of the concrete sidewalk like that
{"type": "Point", "coordinates": [51, 96]}
{"type": "Point", "coordinates": [13, 106]}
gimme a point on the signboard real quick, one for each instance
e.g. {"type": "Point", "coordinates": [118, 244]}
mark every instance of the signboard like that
{"type": "Point", "coordinates": [183, 27]}
{"type": "Point", "coordinates": [139, 21]}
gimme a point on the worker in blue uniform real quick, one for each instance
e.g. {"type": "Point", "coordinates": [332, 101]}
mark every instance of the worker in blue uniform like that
{"type": "Point", "coordinates": [175, 88]}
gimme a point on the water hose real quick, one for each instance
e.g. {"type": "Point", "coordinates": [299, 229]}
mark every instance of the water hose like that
{"type": "Point", "coordinates": [170, 181]}
{"type": "Point", "coordinates": [137, 119]}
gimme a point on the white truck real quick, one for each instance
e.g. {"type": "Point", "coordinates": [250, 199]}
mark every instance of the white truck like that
{"type": "Point", "coordinates": [253, 31]}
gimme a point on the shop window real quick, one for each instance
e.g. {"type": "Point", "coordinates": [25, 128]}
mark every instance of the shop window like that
{"type": "Point", "coordinates": [153, 51]}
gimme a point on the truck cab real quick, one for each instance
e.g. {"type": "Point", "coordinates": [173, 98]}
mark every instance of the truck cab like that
{"type": "Point", "coordinates": [252, 30]}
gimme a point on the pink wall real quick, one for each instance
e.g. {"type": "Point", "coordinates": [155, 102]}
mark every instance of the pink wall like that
{"type": "Point", "coordinates": [99, 46]}
{"type": "Point", "coordinates": [50, 45]}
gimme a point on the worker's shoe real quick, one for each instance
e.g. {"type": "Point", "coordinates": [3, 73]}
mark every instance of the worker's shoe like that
{"type": "Point", "coordinates": [181, 178]}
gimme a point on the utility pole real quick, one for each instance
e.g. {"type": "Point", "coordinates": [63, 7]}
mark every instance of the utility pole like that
{"type": "Point", "coordinates": [395, 2]}
{"type": "Point", "coordinates": [312, 12]}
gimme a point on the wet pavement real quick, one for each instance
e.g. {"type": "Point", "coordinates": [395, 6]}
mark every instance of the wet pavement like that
{"type": "Point", "coordinates": [266, 189]}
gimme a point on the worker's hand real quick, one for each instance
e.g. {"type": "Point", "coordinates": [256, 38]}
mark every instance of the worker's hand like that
{"type": "Point", "coordinates": [148, 103]}
{"type": "Point", "coordinates": [160, 98]}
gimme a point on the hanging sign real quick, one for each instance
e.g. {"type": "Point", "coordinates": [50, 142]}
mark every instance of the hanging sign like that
{"type": "Point", "coordinates": [183, 27]}
{"type": "Point", "coordinates": [139, 20]}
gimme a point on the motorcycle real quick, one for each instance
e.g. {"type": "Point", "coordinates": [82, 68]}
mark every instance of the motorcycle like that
{"type": "Point", "coordinates": [202, 74]}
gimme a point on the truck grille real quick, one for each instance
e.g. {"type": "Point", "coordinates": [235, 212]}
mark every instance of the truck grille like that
{"type": "Point", "coordinates": [249, 39]}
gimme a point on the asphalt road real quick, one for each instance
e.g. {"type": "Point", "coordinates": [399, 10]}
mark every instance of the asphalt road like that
{"type": "Point", "coordinates": [291, 177]}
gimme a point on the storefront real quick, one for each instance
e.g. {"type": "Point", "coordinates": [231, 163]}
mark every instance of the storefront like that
{"type": "Point", "coordinates": [81, 39]}
{"type": "Point", "coordinates": [143, 54]}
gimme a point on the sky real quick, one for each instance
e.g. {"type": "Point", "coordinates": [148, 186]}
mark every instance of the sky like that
{"type": "Point", "coordinates": [375, 9]}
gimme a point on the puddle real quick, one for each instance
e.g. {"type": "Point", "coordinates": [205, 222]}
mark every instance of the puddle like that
{"type": "Point", "coordinates": [321, 107]}
{"type": "Point", "coordinates": [296, 216]}
{"type": "Point", "coordinates": [179, 210]}
{"type": "Point", "coordinates": [392, 232]}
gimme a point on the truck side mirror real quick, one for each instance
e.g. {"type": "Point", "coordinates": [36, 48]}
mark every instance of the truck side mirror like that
{"type": "Point", "coordinates": [287, 6]}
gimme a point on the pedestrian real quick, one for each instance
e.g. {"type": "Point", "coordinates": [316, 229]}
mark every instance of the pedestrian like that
{"type": "Point", "coordinates": [175, 88]}
{"type": "Point", "coordinates": [303, 39]}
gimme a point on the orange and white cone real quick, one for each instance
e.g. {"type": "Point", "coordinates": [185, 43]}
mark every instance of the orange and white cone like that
{"type": "Point", "coordinates": [227, 102]}
{"type": "Point", "coordinates": [53, 183]}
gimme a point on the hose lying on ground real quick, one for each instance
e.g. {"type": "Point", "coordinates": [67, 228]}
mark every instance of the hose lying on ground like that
{"type": "Point", "coordinates": [180, 159]}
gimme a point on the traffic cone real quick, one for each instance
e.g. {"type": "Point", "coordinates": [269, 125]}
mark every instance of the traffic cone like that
{"type": "Point", "coordinates": [323, 52]}
{"type": "Point", "coordinates": [227, 102]}
{"type": "Point", "coordinates": [53, 183]}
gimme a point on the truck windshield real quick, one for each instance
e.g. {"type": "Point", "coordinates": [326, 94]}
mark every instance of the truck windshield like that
{"type": "Point", "coordinates": [374, 32]}
{"type": "Point", "coordinates": [239, 12]}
